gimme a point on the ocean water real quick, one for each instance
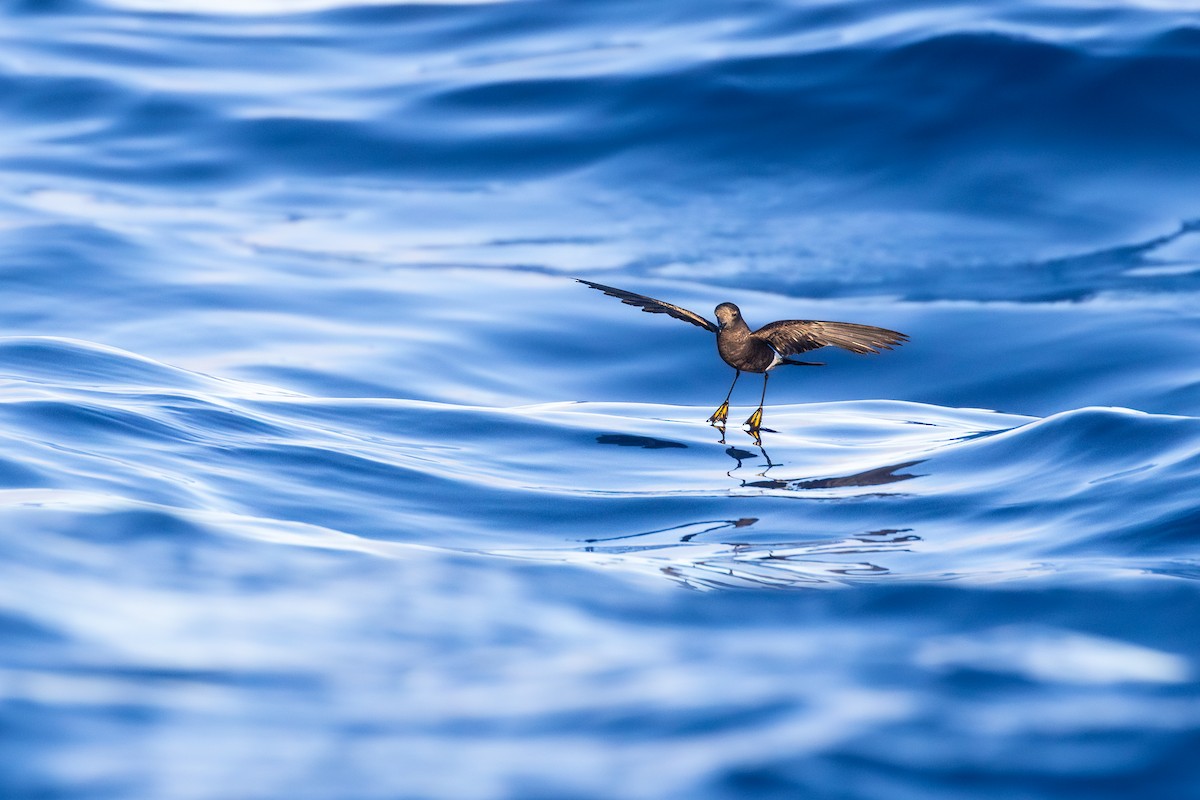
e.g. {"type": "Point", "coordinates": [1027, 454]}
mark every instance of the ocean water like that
{"type": "Point", "coordinates": [321, 478]}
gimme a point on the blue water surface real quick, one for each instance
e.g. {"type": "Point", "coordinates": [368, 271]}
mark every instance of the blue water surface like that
{"type": "Point", "coordinates": [320, 478]}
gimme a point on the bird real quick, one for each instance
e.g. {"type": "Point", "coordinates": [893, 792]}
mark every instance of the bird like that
{"type": "Point", "coordinates": [768, 347]}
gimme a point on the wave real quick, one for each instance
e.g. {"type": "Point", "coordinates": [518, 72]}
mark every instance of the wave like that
{"type": "Point", "coordinates": [838, 493]}
{"type": "Point", "coordinates": [537, 135]}
{"type": "Point", "coordinates": [1013, 107]}
{"type": "Point", "coordinates": [809, 99]}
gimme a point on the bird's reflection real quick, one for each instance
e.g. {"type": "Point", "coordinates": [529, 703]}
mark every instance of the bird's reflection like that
{"type": "Point", "coordinates": [689, 554]}
{"type": "Point", "coordinates": [709, 525]}
{"type": "Point", "coordinates": [740, 456]}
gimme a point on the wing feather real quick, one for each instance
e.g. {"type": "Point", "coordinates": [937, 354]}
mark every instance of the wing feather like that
{"type": "Point", "coordinates": [792, 336]}
{"type": "Point", "coordinates": [652, 306]}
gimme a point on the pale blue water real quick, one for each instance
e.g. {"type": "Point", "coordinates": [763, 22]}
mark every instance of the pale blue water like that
{"type": "Point", "coordinates": [320, 478]}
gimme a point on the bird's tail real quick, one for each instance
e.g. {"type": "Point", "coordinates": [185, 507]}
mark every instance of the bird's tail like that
{"type": "Point", "coordinates": [793, 363]}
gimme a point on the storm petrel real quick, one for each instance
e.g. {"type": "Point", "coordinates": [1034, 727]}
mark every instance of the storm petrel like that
{"type": "Point", "coordinates": [768, 347]}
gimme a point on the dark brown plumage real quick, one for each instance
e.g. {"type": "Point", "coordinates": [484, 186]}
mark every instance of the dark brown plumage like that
{"type": "Point", "coordinates": [768, 347]}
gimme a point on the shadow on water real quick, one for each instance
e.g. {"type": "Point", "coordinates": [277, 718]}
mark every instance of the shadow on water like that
{"type": "Point", "coordinates": [645, 442]}
{"type": "Point", "coordinates": [879, 476]}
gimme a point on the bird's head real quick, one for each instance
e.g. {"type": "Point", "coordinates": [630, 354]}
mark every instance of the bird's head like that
{"type": "Point", "coordinates": [727, 313]}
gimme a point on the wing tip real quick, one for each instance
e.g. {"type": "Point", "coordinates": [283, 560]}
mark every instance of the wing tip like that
{"type": "Point", "coordinates": [872, 340]}
{"type": "Point", "coordinates": [611, 291]}
{"type": "Point", "coordinates": [650, 305]}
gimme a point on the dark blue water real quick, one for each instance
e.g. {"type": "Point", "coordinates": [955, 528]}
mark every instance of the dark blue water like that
{"type": "Point", "coordinates": [321, 479]}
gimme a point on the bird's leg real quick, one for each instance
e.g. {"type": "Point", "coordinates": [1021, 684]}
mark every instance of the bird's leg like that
{"type": "Point", "coordinates": [721, 414]}
{"type": "Point", "coordinates": [755, 421]}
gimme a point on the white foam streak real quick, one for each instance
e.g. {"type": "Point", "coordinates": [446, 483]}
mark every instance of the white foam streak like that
{"type": "Point", "coordinates": [1055, 656]}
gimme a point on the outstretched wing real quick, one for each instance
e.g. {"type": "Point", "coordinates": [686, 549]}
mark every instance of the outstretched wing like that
{"type": "Point", "coordinates": [792, 336]}
{"type": "Point", "coordinates": [652, 306]}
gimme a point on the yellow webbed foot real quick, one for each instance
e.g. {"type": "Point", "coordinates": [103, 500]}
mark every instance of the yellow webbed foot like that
{"type": "Point", "coordinates": [755, 421]}
{"type": "Point", "coordinates": [720, 415]}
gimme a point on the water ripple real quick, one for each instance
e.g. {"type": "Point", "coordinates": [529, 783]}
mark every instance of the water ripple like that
{"type": "Point", "coordinates": [319, 471]}
{"type": "Point", "coordinates": [951, 483]}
